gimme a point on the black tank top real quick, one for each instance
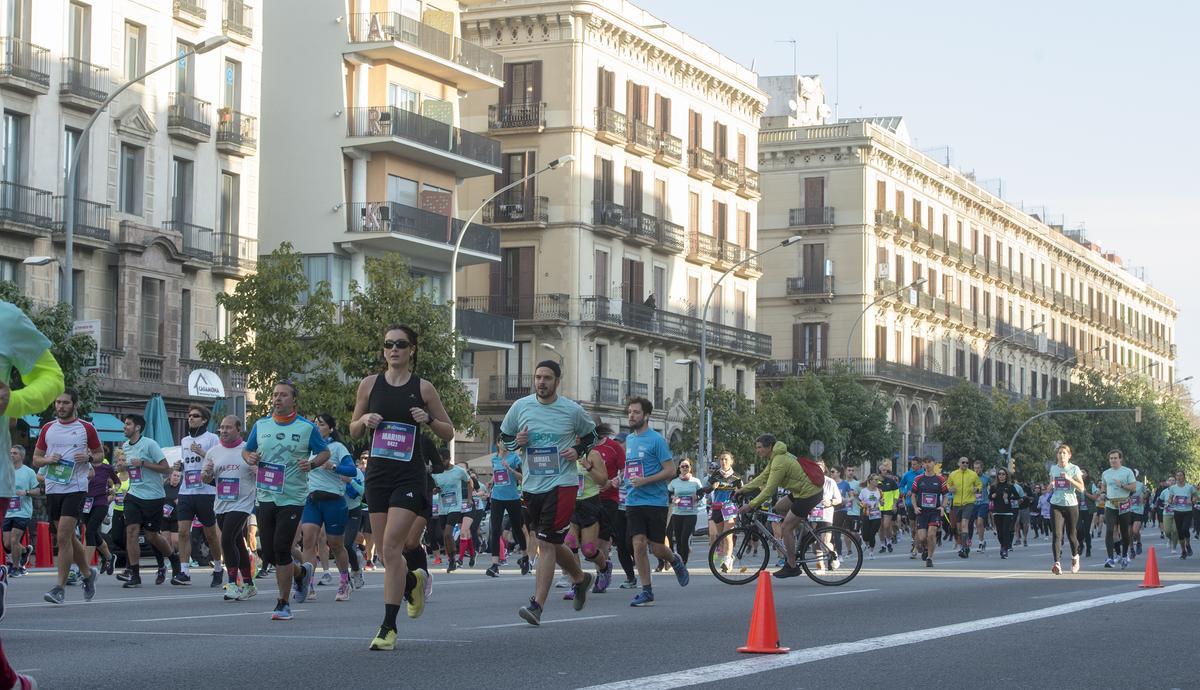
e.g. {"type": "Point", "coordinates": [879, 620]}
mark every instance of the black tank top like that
{"type": "Point", "coordinates": [394, 403]}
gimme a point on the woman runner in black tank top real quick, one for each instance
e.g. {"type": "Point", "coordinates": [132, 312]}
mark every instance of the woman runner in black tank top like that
{"type": "Point", "coordinates": [389, 411]}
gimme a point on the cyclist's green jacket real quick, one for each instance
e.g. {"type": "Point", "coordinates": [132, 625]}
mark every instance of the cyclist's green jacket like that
{"type": "Point", "coordinates": [784, 472]}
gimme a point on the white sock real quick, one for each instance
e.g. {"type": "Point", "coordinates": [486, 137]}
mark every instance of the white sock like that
{"type": "Point", "coordinates": [218, 568]}
{"type": "Point", "coordinates": [183, 565]}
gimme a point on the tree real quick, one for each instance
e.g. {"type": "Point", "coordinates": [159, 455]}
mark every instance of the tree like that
{"type": "Point", "coordinates": [807, 416]}
{"type": "Point", "coordinates": [736, 422]}
{"type": "Point", "coordinates": [968, 427]}
{"type": "Point", "coordinates": [862, 417]}
{"type": "Point", "coordinates": [1035, 446]}
{"type": "Point", "coordinates": [70, 351]}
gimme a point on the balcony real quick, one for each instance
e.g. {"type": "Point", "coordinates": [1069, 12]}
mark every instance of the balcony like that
{"type": "Point", "coordinates": [109, 362]}
{"type": "Point", "coordinates": [670, 238]}
{"type": "Point", "coordinates": [729, 174]}
{"type": "Point", "coordinates": [752, 268]}
{"type": "Point", "coordinates": [509, 388]}
{"type": "Point", "coordinates": [238, 23]}
{"type": "Point", "coordinates": [517, 118]}
{"type": "Point", "coordinates": [670, 149]}
{"type": "Point", "coordinates": [633, 389]}
{"type": "Point", "coordinates": [197, 240]}
{"type": "Point", "coordinates": [748, 184]}
{"type": "Point", "coordinates": [25, 207]}
{"type": "Point", "coordinates": [605, 391]}
{"type": "Point", "coordinates": [805, 288]}
{"type": "Point", "coordinates": [728, 254]}
{"type": "Point", "coordinates": [389, 226]}
{"type": "Point", "coordinates": [188, 118]}
{"type": "Point", "coordinates": [611, 126]}
{"type": "Point", "coordinates": [643, 139]}
{"type": "Point", "coordinates": [24, 67]}
{"type": "Point", "coordinates": [91, 220]}
{"type": "Point", "coordinates": [84, 85]}
{"type": "Point", "coordinates": [394, 37]}
{"type": "Point", "coordinates": [236, 256]}
{"type": "Point", "coordinates": [643, 229]}
{"type": "Point", "coordinates": [191, 12]}
{"type": "Point", "coordinates": [668, 328]}
{"type": "Point", "coordinates": [485, 331]}
{"type": "Point", "coordinates": [150, 368]}
{"type": "Point", "coordinates": [608, 219]}
{"type": "Point", "coordinates": [701, 248]}
{"type": "Point", "coordinates": [389, 129]}
{"type": "Point", "coordinates": [867, 368]}
{"type": "Point", "coordinates": [810, 217]}
{"type": "Point", "coordinates": [518, 211]}
{"type": "Point", "coordinates": [236, 133]}
{"type": "Point", "coordinates": [539, 307]}
{"type": "Point", "coordinates": [702, 165]}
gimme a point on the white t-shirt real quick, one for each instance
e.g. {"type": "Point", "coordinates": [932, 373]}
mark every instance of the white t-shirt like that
{"type": "Point", "coordinates": [190, 483]}
{"type": "Point", "coordinates": [870, 500]}
{"type": "Point", "coordinates": [68, 475]}
{"type": "Point", "coordinates": [235, 480]}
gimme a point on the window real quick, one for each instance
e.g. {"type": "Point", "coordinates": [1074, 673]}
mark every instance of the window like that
{"type": "Point", "coordinates": [522, 83]}
{"type": "Point", "coordinates": [740, 382]}
{"type": "Point", "coordinates": [881, 342]}
{"type": "Point", "coordinates": [693, 213]}
{"type": "Point", "coordinates": [181, 190]}
{"type": "Point", "coordinates": [9, 270]}
{"type": "Point", "coordinates": [660, 286]}
{"type": "Point", "coordinates": [331, 269]}
{"type": "Point", "coordinates": [695, 130]}
{"type": "Point", "coordinates": [716, 377]}
{"type": "Point", "coordinates": [604, 183]}
{"type": "Point", "coordinates": [637, 103]}
{"type": "Point", "coordinates": [739, 308]}
{"type": "Point", "coordinates": [70, 142]}
{"type": "Point", "coordinates": [600, 273]}
{"type": "Point", "coordinates": [401, 190]}
{"type": "Point", "coordinates": [693, 384]}
{"type": "Point", "coordinates": [185, 69]}
{"type": "Point", "coordinates": [634, 192]}
{"type": "Point", "coordinates": [662, 114]}
{"type": "Point", "coordinates": [404, 98]}
{"type": "Point", "coordinates": [185, 325]}
{"type": "Point", "coordinates": [606, 85]}
{"type": "Point", "coordinates": [517, 362]}
{"type": "Point", "coordinates": [18, 14]}
{"type": "Point", "coordinates": [80, 41]}
{"type": "Point", "coordinates": [466, 364]}
{"type": "Point", "coordinates": [16, 125]}
{"type": "Point", "coordinates": [152, 316]}
{"type": "Point", "coordinates": [231, 93]}
{"type": "Point", "coordinates": [135, 51]}
{"type": "Point", "coordinates": [230, 203]}
{"type": "Point", "coordinates": [720, 223]}
{"type": "Point", "coordinates": [130, 190]}
{"type": "Point", "coordinates": [631, 373]}
{"type": "Point", "coordinates": [658, 382]}
{"type": "Point", "coordinates": [810, 342]}
{"type": "Point", "coordinates": [110, 337]}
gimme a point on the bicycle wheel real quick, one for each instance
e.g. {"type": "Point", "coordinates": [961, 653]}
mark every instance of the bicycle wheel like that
{"type": "Point", "coordinates": [745, 561]}
{"type": "Point", "coordinates": [822, 563]}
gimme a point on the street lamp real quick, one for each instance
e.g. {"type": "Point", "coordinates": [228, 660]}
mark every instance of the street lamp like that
{"type": "Point", "coordinates": [703, 460]}
{"type": "Point", "coordinates": [554, 350]}
{"type": "Point", "coordinates": [1182, 380]}
{"type": "Point", "coordinates": [38, 260]}
{"type": "Point", "coordinates": [68, 295]}
{"type": "Point", "coordinates": [1007, 338]}
{"type": "Point", "coordinates": [911, 286]}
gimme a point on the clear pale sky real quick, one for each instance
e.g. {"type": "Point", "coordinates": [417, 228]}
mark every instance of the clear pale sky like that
{"type": "Point", "coordinates": [1089, 109]}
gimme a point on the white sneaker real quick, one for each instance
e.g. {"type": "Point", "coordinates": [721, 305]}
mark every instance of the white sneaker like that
{"type": "Point", "coordinates": [870, 555]}
{"type": "Point", "coordinates": [326, 578]}
{"type": "Point", "coordinates": [1074, 564]}
{"type": "Point", "coordinates": [428, 585]}
{"type": "Point", "coordinates": [561, 583]}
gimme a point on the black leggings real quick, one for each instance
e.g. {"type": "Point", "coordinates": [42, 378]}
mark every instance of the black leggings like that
{"type": "Point", "coordinates": [1183, 524]}
{"type": "Point", "coordinates": [680, 530]}
{"type": "Point", "coordinates": [496, 531]}
{"type": "Point", "coordinates": [1083, 530]}
{"type": "Point", "coordinates": [353, 523]}
{"type": "Point", "coordinates": [1066, 519]}
{"type": "Point", "coordinates": [870, 529]}
{"type": "Point", "coordinates": [277, 531]}
{"type": "Point", "coordinates": [1114, 519]}
{"type": "Point", "coordinates": [233, 541]}
{"type": "Point", "coordinates": [624, 547]}
{"type": "Point", "coordinates": [1004, 530]}
{"type": "Point", "coordinates": [94, 522]}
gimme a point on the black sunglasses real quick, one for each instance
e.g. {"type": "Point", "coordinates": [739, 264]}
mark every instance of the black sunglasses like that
{"type": "Point", "coordinates": [401, 344]}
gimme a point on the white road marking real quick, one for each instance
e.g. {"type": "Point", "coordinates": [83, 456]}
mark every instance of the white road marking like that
{"type": "Point", "coordinates": [53, 631]}
{"type": "Point", "coordinates": [833, 594]}
{"type": "Point", "coordinates": [738, 669]}
{"type": "Point", "coordinates": [526, 625]}
{"type": "Point", "coordinates": [215, 615]}
{"type": "Point", "coordinates": [132, 600]}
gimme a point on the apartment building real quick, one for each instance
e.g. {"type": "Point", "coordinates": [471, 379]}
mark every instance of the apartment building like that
{"type": "Point", "coordinates": [1004, 300]}
{"type": "Point", "coordinates": [606, 263]}
{"type": "Point", "coordinates": [167, 183]}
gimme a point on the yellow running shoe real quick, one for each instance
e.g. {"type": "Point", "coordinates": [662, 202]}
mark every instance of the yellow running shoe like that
{"type": "Point", "coordinates": [416, 599]}
{"type": "Point", "coordinates": [385, 640]}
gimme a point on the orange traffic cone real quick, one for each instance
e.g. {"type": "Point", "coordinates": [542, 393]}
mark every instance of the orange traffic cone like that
{"type": "Point", "coordinates": [1150, 581]}
{"type": "Point", "coordinates": [44, 555]}
{"type": "Point", "coordinates": [764, 634]}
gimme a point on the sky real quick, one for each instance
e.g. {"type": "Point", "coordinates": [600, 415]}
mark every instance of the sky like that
{"type": "Point", "coordinates": [1085, 109]}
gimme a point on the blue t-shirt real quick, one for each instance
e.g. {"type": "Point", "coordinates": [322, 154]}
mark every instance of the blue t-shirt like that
{"type": "Point", "coordinates": [504, 482]}
{"type": "Point", "coordinates": [354, 490]}
{"type": "Point", "coordinates": [850, 498]}
{"type": "Point", "coordinates": [144, 483]}
{"type": "Point", "coordinates": [280, 480]}
{"type": "Point", "coordinates": [339, 465]}
{"type": "Point", "coordinates": [645, 454]}
{"type": "Point", "coordinates": [844, 489]}
{"type": "Point", "coordinates": [984, 480]}
{"type": "Point", "coordinates": [25, 479]}
{"type": "Point", "coordinates": [553, 428]}
{"type": "Point", "coordinates": [906, 483]}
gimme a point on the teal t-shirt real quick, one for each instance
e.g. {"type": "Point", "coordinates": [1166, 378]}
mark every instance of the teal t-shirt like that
{"type": "Point", "coordinates": [504, 482]}
{"type": "Point", "coordinates": [645, 455]}
{"type": "Point", "coordinates": [1179, 498]}
{"type": "Point", "coordinates": [25, 479]}
{"type": "Point", "coordinates": [145, 484]}
{"type": "Point", "coordinates": [355, 487]}
{"type": "Point", "coordinates": [1064, 491]}
{"type": "Point", "coordinates": [553, 428]}
{"type": "Point", "coordinates": [853, 506]}
{"type": "Point", "coordinates": [1137, 499]}
{"type": "Point", "coordinates": [1113, 493]}
{"type": "Point", "coordinates": [280, 480]}
{"type": "Point", "coordinates": [453, 485]}
{"type": "Point", "coordinates": [684, 493]}
{"type": "Point", "coordinates": [324, 478]}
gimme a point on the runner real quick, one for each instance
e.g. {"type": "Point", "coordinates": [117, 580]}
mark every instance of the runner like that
{"type": "Point", "coordinates": [981, 507]}
{"type": "Point", "coordinates": [850, 500]}
{"type": "Point", "coordinates": [869, 498]}
{"type": "Point", "coordinates": [783, 473]}
{"type": "Point", "coordinates": [1006, 502]}
{"type": "Point", "coordinates": [226, 470]}
{"type": "Point", "coordinates": [196, 499]}
{"type": "Point", "coordinates": [589, 519]}
{"type": "Point", "coordinates": [929, 491]}
{"type": "Point", "coordinates": [1137, 508]}
{"type": "Point", "coordinates": [822, 514]}
{"type": "Point", "coordinates": [889, 486]}
{"type": "Point", "coordinates": [453, 486]}
{"type": "Point", "coordinates": [325, 506]}
{"type": "Point", "coordinates": [722, 484]}
{"type": "Point", "coordinates": [906, 482]}
{"type": "Point", "coordinates": [1086, 508]}
{"type": "Point", "coordinates": [506, 501]}
{"type": "Point", "coordinates": [685, 492]}
{"type": "Point", "coordinates": [391, 406]}
{"type": "Point", "coordinates": [1118, 482]}
{"type": "Point", "coordinates": [1065, 480]}
{"type": "Point", "coordinates": [283, 447]}
{"type": "Point", "coordinates": [613, 455]}
{"type": "Point", "coordinates": [965, 486]}
{"type": "Point", "coordinates": [1024, 513]}
{"type": "Point", "coordinates": [143, 459]}
{"type": "Point", "coordinates": [1180, 498]}
{"type": "Point", "coordinates": [1170, 531]}
{"type": "Point", "coordinates": [621, 525]}
{"type": "Point", "coordinates": [101, 486]}
{"type": "Point", "coordinates": [16, 520]}
{"type": "Point", "coordinates": [353, 491]}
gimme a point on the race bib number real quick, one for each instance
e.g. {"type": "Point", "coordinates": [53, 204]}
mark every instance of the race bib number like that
{"type": "Point", "coordinates": [543, 461]}
{"type": "Point", "coordinates": [500, 478]}
{"type": "Point", "coordinates": [135, 474]}
{"type": "Point", "coordinates": [728, 511]}
{"type": "Point", "coordinates": [929, 500]}
{"type": "Point", "coordinates": [478, 503]}
{"type": "Point", "coordinates": [87, 504]}
{"type": "Point", "coordinates": [191, 479]}
{"type": "Point", "coordinates": [228, 488]}
{"type": "Point", "coordinates": [1181, 501]}
{"type": "Point", "coordinates": [270, 477]}
{"type": "Point", "coordinates": [1060, 482]}
{"type": "Point", "coordinates": [466, 506]}
{"type": "Point", "coordinates": [633, 468]}
{"type": "Point", "coordinates": [687, 502]}
{"type": "Point", "coordinates": [1015, 503]}
{"type": "Point", "coordinates": [61, 471]}
{"type": "Point", "coordinates": [579, 488]}
{"type": "Point", "coordinates": [979, 497]}
{"type": "Point", "coordinates": [622, 494]}
{"type": "Point", "coordinates": [436, 509]}
{"type": "Point", "coordinates": [168, 509]}
{"type": "Point", "coordinates": [1124, 506]}
{"type": "Point", "coordinates": [120, 500]}
{"type": "Point", "coordinates": [817, 514]}
{"type": "Point", "coordinates": [874, 512]}
{"type": "Point", "coordinates": [772, 517]}
{"type": "Point", "coordinates": [394, 441]}
{"type": "Point", "coordinates": [450, 500]}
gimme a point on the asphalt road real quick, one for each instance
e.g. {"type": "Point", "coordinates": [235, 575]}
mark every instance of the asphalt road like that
{"type": "Point", "coordinates": [977, 623]}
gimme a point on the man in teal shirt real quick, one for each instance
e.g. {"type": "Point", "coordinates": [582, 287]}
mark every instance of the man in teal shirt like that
{"type": "Point", "coordinates": [143, 459]}
{"type": "Point", "coordinates": [1119, 482]}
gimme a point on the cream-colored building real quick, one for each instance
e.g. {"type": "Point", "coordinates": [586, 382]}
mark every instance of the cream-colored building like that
{"type": "Point", "coordinates": [878, 215]}
{"type": "Point", "coordinates": [609, 260]}
{"type": "Point", "coordinates": [167, 185]}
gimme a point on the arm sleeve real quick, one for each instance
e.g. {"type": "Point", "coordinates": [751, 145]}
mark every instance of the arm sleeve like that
{"type": "Point", "coordinates": [775, 476]}
{"type": "Point", "coordinates": [316, 444]}
{"type": "Point", "coordinates": [41, 442]}
{"type": "Point", "coordinates": [346, 466]}
{"type": "Point", "coordinates": [42, 384]}
{"type": "Point", "coordinates": [155, 451]}
{"type": "Point", "coordinates": [252, 438]}
{"type": "Point", "coordinates": [508, 429]}
{"type": "Point", "coordinates": [93, 439]}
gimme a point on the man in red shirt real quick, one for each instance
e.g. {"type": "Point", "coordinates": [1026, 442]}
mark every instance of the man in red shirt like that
{"type": "Point", "coordinates": [614, 462]}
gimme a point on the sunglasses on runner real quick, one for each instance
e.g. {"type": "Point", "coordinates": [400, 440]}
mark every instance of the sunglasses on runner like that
{"type": "Point", "coordinates": [401, 344]}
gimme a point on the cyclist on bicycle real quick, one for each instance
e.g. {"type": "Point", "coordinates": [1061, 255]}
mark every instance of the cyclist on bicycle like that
{"type": "Point", "coordinates": [784, 472]}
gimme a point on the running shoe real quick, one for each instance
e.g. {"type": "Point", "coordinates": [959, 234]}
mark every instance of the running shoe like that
{"type": "Point", "coordinates": [366, 566]}
{"type": "Point", "coordinates": [562, 583]}
{"type": "Point", "coordinates": [630, 583]}
{"type": "Point", "coordinates": [788, 571]}
{"type": "Point", "coordinates": [302, 589]}
{"type": "Point", "coordinates": [312, 593]}
{"type": "Point", "coordinates": [870, 555]}
{"type": "Point", "coordinates": [644, 598]}
{"type": "Point", "coordinates": [428, 584]}
{"type": "Point", "coordinates": [356, 579]}
{"type": "Point", "coordinates": [263, 569]}
{"type": "Point", "coordinates": [1124, 562]}
{"type": "Point", "coordinates": [232, 592]}
{"type": "Point", "coordinates": [452, 566]}
{"type": "Point", "coordinates": [1109, 563]}
{"type": "Point", "coordinates": [161, 577]}
{"type": "Point", "coordinates": [437, 560]}
{"type": "Point", "coordinates": [15, 572]}
{"type": "Point", "coordinates": [1139, 548]}
{"type": "Point", "coordinates": [133, 582]}
{"type": "Point", "coordinates": [89, 584]}
{"type": "Point", "coordinates": [385, 640]}
{"type": "Point", "coordinates": [217, 577]}
{"type": "Point", "coordinates": [282, 612]}
{"type": "Point", "coordinates": [913, 556]}
{"type": "Point", "coordinates": [581, 589]}
{"type": "Point", "coordinates": [681, 571]}
{"type": "Point", "coordinates": [889, 548]}
{"type": "Point", "coordinates": [928, 562]}
{"type": "Point", "coordinates": [569, 596]}
{"type": "Point", "coordinates": [416, 598]}
{"type": "Point", "coordinates": [604, 579]}
{"type": "Point", "coordinates": [56, 595]}
{"type": "Point", "coordinates": [1056, 568]}
{"type": "Point", "coordinates": [471, 561]}
{"type": "Point", "coordinates": [248, 590]}
{"type": "Point", "coordinates": [1074, 564]}
{"type": "Point", "coordinates": [326, 579]}
{"type": "Point", "coordinates": [343, 591]}
{"type": "Point", "coordinates": [492, 571]}
{"type": "Point", "coordinates": [72, 577]}
{"type": "Point", "coordinates": [531, 614]}
{"type": "Point", "coordinates": [524, 563]}
{"type": "Point", "coordinates": [181, 579]}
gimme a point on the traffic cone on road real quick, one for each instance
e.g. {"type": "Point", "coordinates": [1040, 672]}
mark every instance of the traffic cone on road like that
{"type": "Point", "coordinates": [1150, 580]}
{"type": "Point", "coordinates": [43, 554]}
{"type": "Point", "coordinates": [764, 634]}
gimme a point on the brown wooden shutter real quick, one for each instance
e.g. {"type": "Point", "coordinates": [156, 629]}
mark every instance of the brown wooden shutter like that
{"type": "Point", "coordinates": [814, 192]}
{"type": "Point", "coordinates": [741, 150]}
{"type": "Point", "coordinates": [536, 78]}
{"type": "Point", "coordinates": [506, 91]}
{"type": "Point", "coordinates": [881, 195]}
{"type": "Point", "coordinates": [525, 282]}
{"type": "Point", "coordinates": [530, 166]}
{"type": "Point", "coordinates": [798, 341]}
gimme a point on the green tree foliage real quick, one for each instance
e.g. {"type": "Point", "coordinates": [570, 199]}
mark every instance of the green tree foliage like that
{"type": "Point", "coordinates": [736, 423]}
{"type": "Point", "coordinates": [1037, 442]}
{"type": "Point", "coordinates": [70, 351]}
{"type": "Point", "coordinates": [862, 418]}
{"type": "Point", "coordinates": [968, 425]}
{"type": "Point", "coordinates": [807, 416]}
